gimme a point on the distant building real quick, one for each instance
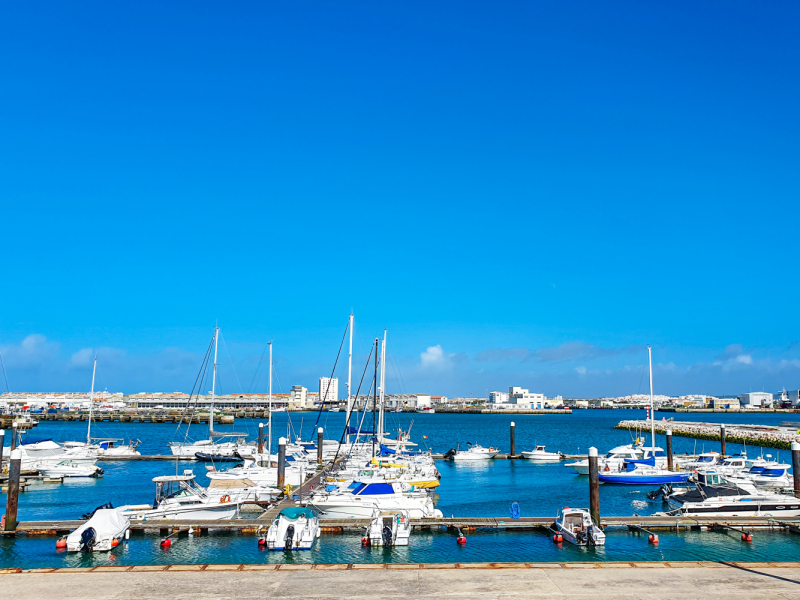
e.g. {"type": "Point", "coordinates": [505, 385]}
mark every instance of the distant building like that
{"type": "Point", "coordinates": [328, 390]}
{"type": "Point", "coordinates": [298, 398]}
{"type": "Point", "coordinates": [726, 403]}
{"type": "Point", "coordinates": [498, 397]}
{"type": "Point", "coordinates": [794, 397]}
{"type": "Point", "coordinates": [519, 398]}
{"type": "Point", "coordinates": [755, 399]}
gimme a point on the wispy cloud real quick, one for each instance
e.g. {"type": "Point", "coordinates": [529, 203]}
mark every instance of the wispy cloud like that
{"type": "Point", "coordinates": [575, 350]}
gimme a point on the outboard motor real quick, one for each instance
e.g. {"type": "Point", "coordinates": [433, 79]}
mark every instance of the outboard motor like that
{"type": "Point", "coordinates": [450, 454]}
{"type": "Point", "coordinates": [288, 543]}
{"type": "Point", "coordinates": [582, 537]}
{"type": "Point", "coordinates": [88, 538]}
{"type": "Point", "coordinates": [388, 538]}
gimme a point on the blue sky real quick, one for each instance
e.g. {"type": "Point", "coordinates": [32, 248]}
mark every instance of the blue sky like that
{"type": "Point", "coordinates": [523, 194]}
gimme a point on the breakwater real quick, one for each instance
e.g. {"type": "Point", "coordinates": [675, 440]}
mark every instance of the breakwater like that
{"type": "Point", "coordinates": [753, 435]}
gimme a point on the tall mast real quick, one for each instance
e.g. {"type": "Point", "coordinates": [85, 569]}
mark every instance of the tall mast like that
{"type": "Point", "coordinates": [652, 413]}
{"type": "Point", "coordinates": [349, 379]}
{"type": "Point", "coordinates": [269, 452]}
{"type": "Point", "coordinates": [383, 385]}
{"type": "Point", "coordinates": [374, 396]}
{"type": "Point", "coordinates": [91, 405]}
{"type": "Point", "coordinates": [213, 387]}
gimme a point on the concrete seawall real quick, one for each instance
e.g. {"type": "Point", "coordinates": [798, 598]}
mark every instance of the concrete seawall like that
{"type": "Point", "coordinates": [753, 435]}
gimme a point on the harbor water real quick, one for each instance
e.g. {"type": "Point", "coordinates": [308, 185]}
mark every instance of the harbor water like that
{"type": "Point", "coordinates": [485, 489]}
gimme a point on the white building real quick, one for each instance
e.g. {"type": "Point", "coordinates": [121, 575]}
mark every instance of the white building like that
{"type": "Point", "coordinates": [520, 398]}
{"type": "Point", "coordinates": [794, 397]}
{"type": "Point", "coordinates": [498, 397]}
{"type": "Point", "coordinates": [328, 390]}
{"type": "Point", "coordinates": [755, 400]}
{"type": "Point", "coordinates": [298, 398]}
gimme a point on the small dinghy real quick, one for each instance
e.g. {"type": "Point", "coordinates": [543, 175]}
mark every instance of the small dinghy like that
{"type": "Point", "coordinates": [389, 528]}
{"type": "Point", "coordinates": [295, 528]}
{"type": "Point", "coordinates": [577, 527]}
{"type": "Point", "coordinates": [101, 533]}
{"type": "Point", "coordinates": [541, 455]}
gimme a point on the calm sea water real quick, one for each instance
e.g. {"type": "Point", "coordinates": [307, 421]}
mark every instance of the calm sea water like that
{"type": "Point", "coordinates": [467, 490]}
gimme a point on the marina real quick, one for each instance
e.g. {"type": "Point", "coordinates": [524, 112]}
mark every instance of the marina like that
{"type": "Point", "coordinates": [778, 436]}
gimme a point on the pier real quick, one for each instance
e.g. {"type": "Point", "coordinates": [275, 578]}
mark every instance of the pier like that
{"type": "Point", "coordinates": [751, 435]}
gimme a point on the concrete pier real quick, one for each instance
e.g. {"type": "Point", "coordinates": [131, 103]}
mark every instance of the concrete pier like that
{"type": "Point", "coordinates": [752, 435]}
{"type": "Point", "coordinates": [579, 581]}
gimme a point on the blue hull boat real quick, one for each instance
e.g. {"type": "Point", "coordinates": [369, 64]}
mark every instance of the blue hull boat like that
{"type": "Point", "coordinates": [633, 478]}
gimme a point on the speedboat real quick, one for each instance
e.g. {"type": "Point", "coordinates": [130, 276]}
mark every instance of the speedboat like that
{"type": "Point", "coordinates": [767, 475]}
{"type": "Point", "coordinates": [68, 468]}
{"type": "Point", "coordinates": [643, 472]}
{"type": "Point", "coordinates": [702, 461]}
{"type": "Point", "coordinates": [365, 497]}
{"type": "Point", "coordinates": [475, 452]}
{"type": "Point", "coordinates": [110, 448]}
{"type": "Point", "coordinates": [102, 532]}
{"type": "Point", "coordinates": [541, 455]}
{"type": "Point", "coordinates": [614, 459]}
{"type": "Point", "coordinates": [389, 529]}
{"type": "Point", "coordinates": [577, 527]}
{"type": "Point", "coordinates": [743, 505]}
{"type": "Point", "coordinates": [295, 528]}
{"type": "Point", "coordinates": [178, 497]}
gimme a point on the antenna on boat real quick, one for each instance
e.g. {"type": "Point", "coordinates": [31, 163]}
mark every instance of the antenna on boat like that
{"type": "Point", "coordinates": [91, 404]}
{"type": "Point", "coordinates": [383, 386]}
{"type": "Point", "coordinates": [269, 452]}
{"type": "Point", "coordinates": [652, 408]}
{"type": "Point", "coordinates": [349, 376]}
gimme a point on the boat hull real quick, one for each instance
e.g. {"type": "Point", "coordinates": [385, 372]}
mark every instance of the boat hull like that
{"type": "Point", "coordinates": [632, 479]}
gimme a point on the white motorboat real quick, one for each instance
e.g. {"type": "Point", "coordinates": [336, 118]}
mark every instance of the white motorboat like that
{"type": "Point", "coordinates": [110, 448]}
{"type": "Point", "coordinates": [240, 490]}
{"type": "Point", "coordinates": [47, 451]}
{"type": "Point", "coordinates": [749, 505]}
{"type": "Point", "coordinates": [261, 476]}
{"type": "Point", "coordinates": [389, 529]}
{"type": "Point", "coordinates": [614, 459]}
{"type": "Point", "coordinates": [365, 497]}
{"type": "Point", "coordinates": [102, 532]}
{"type": "Point", "coordinates": [475, 452]}
{"type": "Point", "coordinates": [295, 528]}
{"type": "Point", "coordinates": [68, 468]}
{"type": "Point", "coordinates": [541, 455]}
{"type": "Point", "coordinates": [178, 497]}
{"type": "Point", "coordinates": [426, 411]}
{"type": "Point", "coordinates": [577, 527]}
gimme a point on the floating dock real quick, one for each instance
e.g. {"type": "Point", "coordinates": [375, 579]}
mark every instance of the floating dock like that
{"type": "Point", "coordinates": [752, 435]}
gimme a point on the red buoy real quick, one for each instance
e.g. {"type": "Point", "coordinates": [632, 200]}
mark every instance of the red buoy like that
{"type": "Point", "coordinates": [747, 537]}
{"type": "Point", "coordinates": [61, 543]}
{"type": "Point", "coordinates": [365, 541]}
{"type": "Point", "coordinates": [461, 540]}
{"type": "Point", "coordinates": [166, 543]}
{"type": "Point", "coordinates": [114, 543]}
{"type": "Point", "coordinates": [560, 538]}
{"type": "Point", "coordinates": [555, 537]}
{"type": "Point", "coordinates": [262, 541]}
{"type": "Point", "coordinates": [653, 539]}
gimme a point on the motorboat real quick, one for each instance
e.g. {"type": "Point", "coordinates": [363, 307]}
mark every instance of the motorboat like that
{"type": "Point", "coordinates": [539, 454]}
{"type": "Point", "coordinates": [240, 490]}
{"type": "Point", "coordinates": [748, 505]}
{"type": "Point", "coordinates": [102, 532]}
{"type": "Point", "coordinates": [361, 501]}
{"type": "Point", "coordinates": [40, 451]}
{"type": "Point", "coordinates": [296, 528]}
{"type": "Point", "coordinates": [475, 452]}
{"type": "Point", "coordinates": [702, 461]}
{"type": "Point", "coordinates": [768, 475]}
{"type": "Point", "coordinates": [218, 449]}
{"type": "Point", "coordinates": [261, 476]}
{"type": "Point", "coordinates": [389, 529]}
{"type": "Point", "coordinates": [577, 527]}
{"type": "Point", "coordinates": [68, 468]}
{"type": "Point", "coordinates": [109, 448]}
{"type": "Point", "coordinates": [614, 459]}
{"type": "Point", "coordinates": [178, 497]}
{"type": "Point", "coordinates": [426, 411]}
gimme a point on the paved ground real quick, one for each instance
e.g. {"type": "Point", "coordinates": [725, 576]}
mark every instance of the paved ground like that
{"type": "Point", "coordinates": [684, 581]}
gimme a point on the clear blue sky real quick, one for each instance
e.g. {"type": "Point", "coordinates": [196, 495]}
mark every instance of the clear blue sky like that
{"type": "Point", "coordinates": [523, 193]}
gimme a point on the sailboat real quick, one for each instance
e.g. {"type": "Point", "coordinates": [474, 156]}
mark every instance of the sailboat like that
{"type": "Point", "coordinates": [645, 471]}
{"type": "Point", "coordinates": [210, 449]}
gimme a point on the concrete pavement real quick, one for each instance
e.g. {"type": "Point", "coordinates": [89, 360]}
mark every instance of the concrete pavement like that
{"type": "Point", "coordinates": [575, 581]}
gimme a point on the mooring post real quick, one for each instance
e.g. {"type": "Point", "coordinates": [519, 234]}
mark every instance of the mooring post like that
{"type": "Point", "coordinates": [513, 453]}
{"type": "Point", "coordinates": [796, 467]}
{"type": "Point", "coordinates": [669, 449]}
{"type": "Point", "coordinates": [260, 438]}
{"type": "Point", "coordinates": [13, 436]}
{"type": "Point", "coordinates": [594, 486]}
{"type": "Point", "coordinates": [722, 439]}
{"type": "Point", "coordinates": [319, 445]}
{"type": "Point", "coordinates": [2, 443]}
{"type": "Point", "coordinates": [281, 463]}
{"type": "Point", "coordinates": [12, 499]}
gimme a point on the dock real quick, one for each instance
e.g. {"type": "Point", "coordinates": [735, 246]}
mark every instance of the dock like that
{"type": "Point", "coordinates": [753, 435]}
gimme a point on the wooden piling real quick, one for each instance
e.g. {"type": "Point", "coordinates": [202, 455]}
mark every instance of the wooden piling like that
{"type": "Point", "coordinates": [260, 438]}
{"type": "Point", "coordinates": [320, 440]}
{"type": "Point", "coordinates": [2, 443]}
{"type": "Point", "coordinates": [281, 463]}
{"type": "Point", "coordinates": [722, 440]}
{"type": "Point", "coordinates": [513, 452]}
{"type": "Point", "coordinates": [13, 436]}
{"type": "Point", "coordinates": [12, 500]}
{"type": "Point", "coordinates": [594, 486]}
{"type": "Point", "coordinates": [669, 449]}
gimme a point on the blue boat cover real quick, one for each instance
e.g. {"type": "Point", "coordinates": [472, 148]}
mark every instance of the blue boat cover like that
{"type": "Point", "coordinates": [352, 430]}
{"type": "Point", "coordinates": [386, 451]}
{"type": "Point", "coordinates": [295, 512]}
{"type": "Point", "coordinates": [373, 489]}
{"type": "Point", "coordinates": [631, 464]}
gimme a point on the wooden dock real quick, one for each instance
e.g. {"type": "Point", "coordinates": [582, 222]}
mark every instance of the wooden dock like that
{"type": "Point", "coordinates": [256, 525]}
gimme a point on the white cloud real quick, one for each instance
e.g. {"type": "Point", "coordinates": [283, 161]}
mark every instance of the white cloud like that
{"type": "Point", "coordinates": [744, 359]}
{"type": "Point", "coordinates": [82, 358]}
{"type": "Point", "coordinates": [581, 370]}
{"type": "Point", "coordinates": [434, 358]}
{"type": "Point", "coordinates": [33, 351]}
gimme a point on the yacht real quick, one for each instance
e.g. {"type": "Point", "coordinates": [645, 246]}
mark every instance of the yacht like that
{"type": "Point", "coordinates": [389, 528]}
{"type": "Point", "coordinates": [367, 496]}
{"type": "Point", "coordinates": [577, 527]}
{"type": "Point", "coordinates": [643, 472]}
{"type": "Point", "coordinates": [761, 504]}
{"type": "Point", "coordinates": [178, 497]}
{"type": "Point", "coordinates": [539, 454]}
{"type": "Point", "coordinates": [295, 528]}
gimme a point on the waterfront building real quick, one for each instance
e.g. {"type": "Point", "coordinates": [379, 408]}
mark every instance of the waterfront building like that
{"type": "Point", "coordinates": [329, 390]}
{"type": "Point", "coordinates": [520, 399]}
{"type": "Point", "coordinates": [298, 398]}
{"type": "Point", "coordinates": [755, 400]}
{"type": "Point", "coordinates": [498, 397]}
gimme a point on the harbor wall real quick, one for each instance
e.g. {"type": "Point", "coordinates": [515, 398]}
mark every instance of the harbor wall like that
{"type": "Point", "coordinates": [753, 435]}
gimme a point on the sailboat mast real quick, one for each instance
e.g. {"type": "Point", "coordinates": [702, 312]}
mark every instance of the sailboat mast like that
{"type": "Point", "coordinates": [91, 405]}
{"type": "Point", "coordinates": [652, 413]}
{"type": "Point", "coordinates": [374, 396]}
{"type": "Point", "coordinates": [383, 386]}
{"type": "Point", "coordinates": [213, 387]}
{"type": "Point", "coordinates": [349, 379]}
{"type": "Point", "coordinates": [269, 426]}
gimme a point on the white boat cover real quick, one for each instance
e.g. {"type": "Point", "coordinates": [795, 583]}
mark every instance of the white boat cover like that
{"type": "Point", "coordinates": [107, 522]}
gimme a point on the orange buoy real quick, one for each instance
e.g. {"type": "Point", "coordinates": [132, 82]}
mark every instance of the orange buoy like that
{"type": "Point", "coordinates": [653, 539]}
{"type": "Point", "coordinates": [461, 540]}
{"type": "Point", "coordinates": [61, 542]}
{"type": "Point", "coordinates": [262, 541]}
{"type": "Point", "coordinates": [166, 543]}
{"type": "Point", "coordinates": [365, 541]}
{"type": "Point", "coordinates": [560, 538]}
{"type": "Point", "coordinates": [114, 543]}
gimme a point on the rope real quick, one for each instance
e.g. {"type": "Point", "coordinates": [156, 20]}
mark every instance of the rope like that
{"type": "Point", "coordinates": [322, 400]}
